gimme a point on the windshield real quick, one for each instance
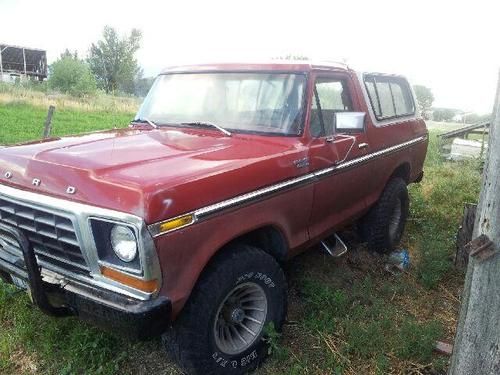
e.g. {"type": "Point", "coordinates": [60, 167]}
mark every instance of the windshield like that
{"type": "Point", "coordinates": [241, 102]}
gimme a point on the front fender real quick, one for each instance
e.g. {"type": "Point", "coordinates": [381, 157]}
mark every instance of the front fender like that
{"type": "Point", "coordinates": [184, 253]}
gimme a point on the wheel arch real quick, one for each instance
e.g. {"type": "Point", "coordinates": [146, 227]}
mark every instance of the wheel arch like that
{"type": "Point", "coordinates": [403, 171]}
{"type": "Point", "coordinates": [268, 238]}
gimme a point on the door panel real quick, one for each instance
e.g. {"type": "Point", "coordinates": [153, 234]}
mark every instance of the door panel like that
{"type": "Point", "coordinates": [338, 196]}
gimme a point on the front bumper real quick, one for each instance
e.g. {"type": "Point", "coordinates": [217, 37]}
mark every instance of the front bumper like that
{"type": "Point", "coordinates": [118, 313]}
{"type": "Point", "coordinates": [142, 320]}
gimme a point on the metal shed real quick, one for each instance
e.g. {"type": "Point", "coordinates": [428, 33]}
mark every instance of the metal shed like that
{"type": "Point", "coordinates": [16, 61]}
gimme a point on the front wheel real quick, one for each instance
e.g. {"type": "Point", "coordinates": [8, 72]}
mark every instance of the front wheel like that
{"type": "Point", "coordinates": [222, 327]}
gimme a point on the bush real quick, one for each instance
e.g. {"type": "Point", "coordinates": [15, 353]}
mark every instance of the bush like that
{"type": "Point", "coordinates": [72, 76]}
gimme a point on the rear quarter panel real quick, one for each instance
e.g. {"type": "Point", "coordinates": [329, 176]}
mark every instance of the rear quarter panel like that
{"type": "Point", "coordinates": [389, 133]}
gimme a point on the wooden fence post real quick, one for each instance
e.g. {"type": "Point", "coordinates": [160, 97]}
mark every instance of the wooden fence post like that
{"type": "Point", "coordinates": [48, 122]}
{"type": "Point", "coordinates": [477, 342]}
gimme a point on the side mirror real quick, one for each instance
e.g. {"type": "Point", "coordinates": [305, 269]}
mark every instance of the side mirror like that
{"type": "Point", "coordinates": [349, 122]}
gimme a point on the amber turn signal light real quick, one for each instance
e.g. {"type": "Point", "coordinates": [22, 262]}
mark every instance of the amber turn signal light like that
{"type": "Point", "coordinates": [176, 223]}
{"type": "Point", "coordinates": [149, 286]}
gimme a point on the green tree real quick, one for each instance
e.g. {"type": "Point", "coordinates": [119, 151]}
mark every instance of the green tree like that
{"type": "Point", "coordinates": [112, 60]}
{"type": "Point", "coordinates": [142, 85]}
{"type": "Point", "coordinates": [72, 76]}
{"type": "Point", "coordinates": [68, 53]}
{"type": "Point", "coordinates": [473, 118]}
{"type": "Point", "coordinates": [425, 98]}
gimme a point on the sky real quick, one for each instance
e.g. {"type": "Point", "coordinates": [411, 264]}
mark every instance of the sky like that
{"type": "Point", "coordinates": [453, 47]}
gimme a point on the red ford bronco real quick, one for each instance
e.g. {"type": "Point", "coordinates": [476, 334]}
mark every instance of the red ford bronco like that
{"type": "Point", "coordinates": [177, 226]}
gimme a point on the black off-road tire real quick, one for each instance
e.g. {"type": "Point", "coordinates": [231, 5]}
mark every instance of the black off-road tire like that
{"type": "Point", "coordinates": [192, 339]}
{"type": "Point", "coordinates": [383, 227]}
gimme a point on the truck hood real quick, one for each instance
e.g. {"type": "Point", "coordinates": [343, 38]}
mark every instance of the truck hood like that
{"type": "Point", "coordinates": [154, 174]}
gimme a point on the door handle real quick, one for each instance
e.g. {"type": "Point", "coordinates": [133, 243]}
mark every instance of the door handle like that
{"type": "Point", "coordinates": [362, 145]}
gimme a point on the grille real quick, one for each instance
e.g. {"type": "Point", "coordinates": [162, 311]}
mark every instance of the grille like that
{"type": "Point", "coordinates": [10, 247]}
{"type": "Point", "coordinates": [52, 235]}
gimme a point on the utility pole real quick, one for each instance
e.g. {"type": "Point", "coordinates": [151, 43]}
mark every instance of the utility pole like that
{"type": "Point", "coordinates": [477, 342]}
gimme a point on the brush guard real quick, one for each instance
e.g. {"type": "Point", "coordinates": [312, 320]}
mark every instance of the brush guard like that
{"type": "Point", "coordinates": [38, 291]}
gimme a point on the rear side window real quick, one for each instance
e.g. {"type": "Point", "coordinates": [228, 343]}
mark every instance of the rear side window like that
{"type": "Point", "coordinates": [390, 97]}
{"type": "Point", "coordinates": [372, 93]}
{"type": "Point", "coordinates": [387, 107]}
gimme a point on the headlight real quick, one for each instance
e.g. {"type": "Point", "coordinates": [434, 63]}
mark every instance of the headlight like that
{"type": "Point", "coordinates": [117, 245]}
{"type": "Point", "coordinates": [124, 243]}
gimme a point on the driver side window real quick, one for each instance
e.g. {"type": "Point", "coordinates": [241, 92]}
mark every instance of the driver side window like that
{"type": "Point", "coordinates": [330, 95]}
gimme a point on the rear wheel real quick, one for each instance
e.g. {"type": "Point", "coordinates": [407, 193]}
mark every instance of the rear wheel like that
{"type": "Point", "coordinates": [383, 226]}
{"type": "Point", "coordinates": [222, 327]}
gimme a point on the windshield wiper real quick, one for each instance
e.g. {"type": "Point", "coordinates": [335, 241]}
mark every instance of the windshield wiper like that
{"type": "Point", "coordinates": [207, 123]}
{"type": "Point", "coordinates": [145, 120]}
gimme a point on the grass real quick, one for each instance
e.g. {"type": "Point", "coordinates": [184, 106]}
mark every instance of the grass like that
{"type": "Point", "coordinates": [436, 210]}
{"type": "Point", "coordinates": [23, 112]}
{"type": "Point", "coordinates": [24, 122]}
{"type": "Point", "coordinates": [346, 316]}
{"type": "Point", "coordinates": [41, 96]}
{"type": "Point", "coordinates": [351, 330]}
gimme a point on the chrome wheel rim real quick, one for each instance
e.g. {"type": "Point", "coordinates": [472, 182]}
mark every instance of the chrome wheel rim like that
{"type": "Point", "coordinates": [395, 219]}
{"type": "Point", "coordinates": [240, 318]}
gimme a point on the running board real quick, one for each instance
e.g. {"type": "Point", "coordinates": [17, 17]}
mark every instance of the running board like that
{"type": "Point", "coordinates": [336, 250]}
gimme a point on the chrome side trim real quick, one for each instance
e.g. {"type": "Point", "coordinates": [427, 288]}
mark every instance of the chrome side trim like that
{"type": "Point", "coordinates": [207, 211]}
{"type": "Point", "coordinates": [384, 151]}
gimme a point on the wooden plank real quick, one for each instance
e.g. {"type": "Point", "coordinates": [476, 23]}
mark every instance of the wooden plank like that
{"type": "Point", "coordinates": [464, 130]}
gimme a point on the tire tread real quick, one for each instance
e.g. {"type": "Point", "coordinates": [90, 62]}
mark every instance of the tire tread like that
{"type": "Point", "coordinates": [184, 340]}
{"type": "Point", "coordinates": [375, 224]}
